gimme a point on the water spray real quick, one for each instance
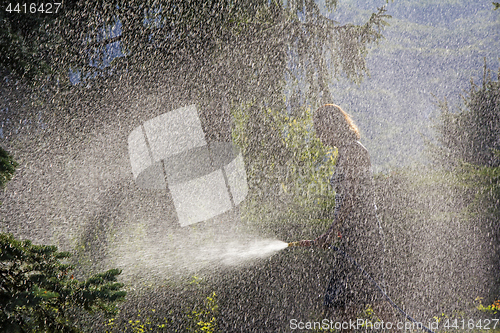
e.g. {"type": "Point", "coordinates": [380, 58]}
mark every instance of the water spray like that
{"type": "Point", "coordinates": [309, 243]}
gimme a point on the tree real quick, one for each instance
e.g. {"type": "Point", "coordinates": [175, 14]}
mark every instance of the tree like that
{"type": "Point", "coordinates": [469, 143]}
{"type": "Point", "coordinates": [7, 167]}
{"type": "Point", "coordinates": [469, 147]}
{"type": "Point", "coordinates": [222, 53]}
{"type": "Point", "coordinates": [241, 50]}
{"type": "Point", "coordinates": [38, 293]}
{"type": "Point", "coordinates": [472, 134]}
{"type": "Point", "coordinates": [219, 53]}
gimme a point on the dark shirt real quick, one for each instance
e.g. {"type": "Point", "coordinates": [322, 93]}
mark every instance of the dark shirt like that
{"type": "Point", "coordinates": [356, 220]}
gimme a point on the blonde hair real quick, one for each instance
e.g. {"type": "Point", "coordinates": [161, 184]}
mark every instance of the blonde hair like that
{"type": "Point", "coordinates": [333, 118]}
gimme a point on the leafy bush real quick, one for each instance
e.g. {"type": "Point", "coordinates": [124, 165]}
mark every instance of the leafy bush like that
{"type": "Point", "coordinates": [38, 293]}
{"type": "Point", "coordinates": [490, 309]}
{"type": "Point", "coordinates": [205, 317]}
{"type": "Point", "coordinates": [188, 309]}
{"type": "Point", "coordinates": [7, 167]}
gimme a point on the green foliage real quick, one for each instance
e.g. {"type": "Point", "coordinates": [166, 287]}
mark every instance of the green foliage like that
{"type": "Point", "coordinates": [473, 133]}
{"type": "Point", "coordinates": [39, 293]}
{"type": "Point", "coordinates": [284, 159]}
{"type": "Point", "coordinates": [490, 309]}
{"type": "Point", "coordinates": [7, 167]}
{"type": "Point", "coordinates": [196, 315]}
{"type": "Point", "coordinates": [469, 143]}
{"type": "Point", "coordinates": [469, 149]}
{"type": "Point", "coordinates": [225, 51]}
{"type": "Point", "coordinates": [484, 182]}
{"type": "Point", "coordinates": [147, 321]}
{"type": "Point", "coordinates": [205, 317]}
{"type": "Point", "coordinates": [247, 43]}
{"type": "Point", "coordinates": [28, 48]}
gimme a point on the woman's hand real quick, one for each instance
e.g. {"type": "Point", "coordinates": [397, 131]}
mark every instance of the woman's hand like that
{"type": "Point", "coordinates": [324, 241]}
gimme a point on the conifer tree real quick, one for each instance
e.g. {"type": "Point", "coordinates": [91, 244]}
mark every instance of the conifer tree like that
{"type": "Point", "coordinates": [38, 293]}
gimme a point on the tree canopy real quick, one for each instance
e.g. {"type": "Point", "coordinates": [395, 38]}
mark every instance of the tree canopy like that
{"type": "Point", "coordinates": [472, 133]}
{"type": "Point", "coordinates": [246, 46]}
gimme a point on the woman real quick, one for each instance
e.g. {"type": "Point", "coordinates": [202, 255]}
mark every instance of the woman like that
{"type": "Point", "coordinates": [355, 226]}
